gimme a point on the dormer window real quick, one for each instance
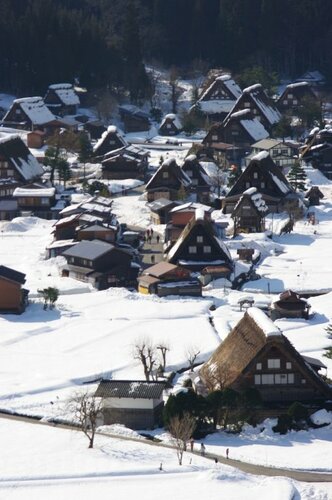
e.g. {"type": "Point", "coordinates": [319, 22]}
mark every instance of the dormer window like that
{"type": "Point", "coordinates": [165, 175]}
{"type": "Point", "coordinates": [199, 239]}
{"type": "Point", "coordinates": [255, 175]}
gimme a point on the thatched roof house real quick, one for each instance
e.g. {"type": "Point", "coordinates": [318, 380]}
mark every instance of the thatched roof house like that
{"type": "Point", "coordinates": [256, 354]}
{"type": "Point", "coordinates": [249, 212]}
{"type": "Point", "coordinates": [290, 305]}
{"type": "Point", "coordinates": [263, 174]}
{"type": "Point", "coordinates": [167, 182]}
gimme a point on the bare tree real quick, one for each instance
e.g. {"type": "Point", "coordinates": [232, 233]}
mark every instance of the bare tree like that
{"type": "Point", "coordinates": [87, 409]}
{"type": "Point", "coordinates": [192, 352]}
{"type": "Point", "coordinates": [163, 347]}
{"type": "Point", "coordinates": [145, 352]}
{"type": "Point", "coordinates": [181, 429]}
{"type": "Point", "coordinates": [217, 377]}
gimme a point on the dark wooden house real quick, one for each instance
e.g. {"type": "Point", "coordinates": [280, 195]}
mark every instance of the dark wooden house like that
{"type": "Point", "coordinates": [200, 181]}
{"type": "Point", "coordinates": [217, 100]}
{"type": "Point", "coordinates": [256, 354]}
{"type": "Point", "coordinates": [101, 264]}
{"type": "Point", "coordinates": [180, 216]}
{"type": "Point", "coordinates": [167, 182]}
{"type": "Point", "coordinates": [294, 95]}
{"type": "Point", "coordinates": [16, 161]}
{"type": "Point", "coordinates": [241, 129]}
{"type": "Point", "coordinates": [129, 162]}
{"type": "Point", "coordinates": [261, 106]}
{"type": "Point", "coordinates": [314, 195]}
{"type": "Point", "coordinates": [290, 305]}
{"type": "Point", "coordinates": [97, 231]}
{"type": "Point", "coordinates": [170, 125]}
{"type": "Point", "coordinates": [249, 213]}
{"type": "Point", "coordinates": [199, 246]}
{"type": "Point", "coordinates": [165, 279]}
{"type": "Point", "coordinates": [13, 298]}
{"type": "Point", "coordinates": [137, 404]}
{"type": "Point", "coordinates": [134, 119]}
{"type": "Point", "coordinates": [160, 210]}
{"type": "Point", "coordinates": [65, 228]}
{"type": "Point", "coordinates": [62, 99]}
{"type": "Point", "coordinates": [95, 129]}
{"type": "Point", "coordinates": [7, 187]}
{"type": "Point", "coordinates": [268, 179]}
{"type": "Point", "coordinates": [35, 200]}
{"type": "Point", "coordinates": [30, 113]}
{"type": "Point", "coordinates": [109, 141]}
{"type": "Point", "coordinates": [319, 156]}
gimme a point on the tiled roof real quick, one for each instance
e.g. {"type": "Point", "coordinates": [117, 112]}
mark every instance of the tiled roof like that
{"type": "Point", "coordinates": [136, 389]}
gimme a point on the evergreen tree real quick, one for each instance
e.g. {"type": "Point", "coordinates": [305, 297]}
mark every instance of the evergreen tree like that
{"type": "Point", "coordinates": [328, 330]}
{"type": "Point", "coordinates": [297, 177]}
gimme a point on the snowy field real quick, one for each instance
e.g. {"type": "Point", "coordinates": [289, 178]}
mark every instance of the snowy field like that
{"type": "Point", "coordinates": [47, 462]}
{"type": "Point", "coordinates": [45, 355]}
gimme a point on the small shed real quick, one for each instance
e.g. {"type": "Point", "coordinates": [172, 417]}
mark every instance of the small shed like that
{"type": "Point", "coordinates": [13, 298]}
{"type": "Point", "coordinates": [170, 125]}
{"type": "Point", "coordinates": [290, 305]}
{"type": "Point", "coordinates": [168, 279]}
{"type": "Point", "coordinates": [137, 404]}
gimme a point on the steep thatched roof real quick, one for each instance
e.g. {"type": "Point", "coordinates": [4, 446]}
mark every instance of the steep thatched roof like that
{"type": "Point", "coordinates": [272, 174]}
{"type": "Point", "coordinates": [254, 334]}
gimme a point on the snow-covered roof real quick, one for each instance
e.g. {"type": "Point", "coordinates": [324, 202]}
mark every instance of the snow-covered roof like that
{"type": "Point", "coordinates": [255, 128]}
{"type": "Point", "coordinates": [261, 155]}
{"type": "Point", "coordinates": [35, 193]}
{"type": "Point", "coordinates": [297, 84]}
{"type": "Point", "coordinates": [66, 93]}
{"type": "Point", "coordinates": [15, 150]}
{"type": "Point", "coordinates": [263, 322]}
{"type": "Point", "coordinates": [36, 110]}
{"type": "Point", "coordinates": [173, 118]}
{"type": "Point", "coordinates": [112, 129]}
{"type": "Point", "coordinates": [252, 88]}
{"type": "Point", "coordinates": [256, 198]}
{"type": "Point", "coordinates": [232, 86]}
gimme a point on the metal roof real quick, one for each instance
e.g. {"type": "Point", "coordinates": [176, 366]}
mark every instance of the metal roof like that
{"type": "Point", "coordinates": [136, 389]}
{"type": "Point", "coordinates": [89, 249]}
{"type": "Point", "coordinates": [12, 275]}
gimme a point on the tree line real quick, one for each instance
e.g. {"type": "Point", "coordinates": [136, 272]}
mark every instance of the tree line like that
{"type": "Point", "coordinates": [104, 44]}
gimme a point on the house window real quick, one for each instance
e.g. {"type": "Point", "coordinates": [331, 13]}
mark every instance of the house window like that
{"type": "Point", "coordinates": [168, 125]}
{"type": "Point", "coordinates": [207, 249]}
{"type": "Point", "coordinates": [262, 184]}
{"type": "Point", "coordinates": [235, 132]}
{"type": "Point", "coordinates": [10, 172]}
{"type": "Point", "coordinates": [194, 182]}
{"type": "Point", "coordinates": [192, 249]}
{"type": "Point", "coordinates": [268, 379]}
{"type": "Point", "coordinates": [258, 366]}
{"type": "Point", "coordinates": [214, 137]}
{"type": "Point", "coordinates": [290, 378]}
{"type": "Point", "coordinates": [71, 260]}
{"type": "Point", "coordinates": [294, 101]}
{"type": "Point", "coordinates": [165, 175]}
{"type": "Point", "coordinates": [255, 175]}
{"type": "Point", "coordinates": [303, 381]}
{"type": "Point", "coordinates": [44, 201]}
{"type": "Point", "coordinates": [247, 184]}
{"type": "Point", "coordinates": [257, 379]}
{"type": "Point", "coordinates": [189, 172]}
{"type": "Point", "coordinates": [280, 378]}
{"type": "Point", "coordinates": [273, 363]}
{"type": "Point", "coordinates": [289, 365]}
{"type": "Point", "coordinates": [290, 96]}
{"type": "Point", "coordinates": [85, 262]}
{"type": "Point", "coordinates": [247, 104]}
{"type": "Point", "coordinates": [199, 239]}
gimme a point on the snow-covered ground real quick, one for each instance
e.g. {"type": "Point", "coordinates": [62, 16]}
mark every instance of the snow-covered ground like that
{"type": "Point", "coordinates": [40, 461]}
{"type": "Point", "coordinates": [46, 355]}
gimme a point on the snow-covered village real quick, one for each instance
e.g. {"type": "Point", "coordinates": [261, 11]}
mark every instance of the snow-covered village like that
{"type": "Point", "coordinates": [165, 271]}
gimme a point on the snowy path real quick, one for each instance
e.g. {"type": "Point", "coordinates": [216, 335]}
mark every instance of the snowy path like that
{"type": "Point", "coordinates": [249, 468]}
